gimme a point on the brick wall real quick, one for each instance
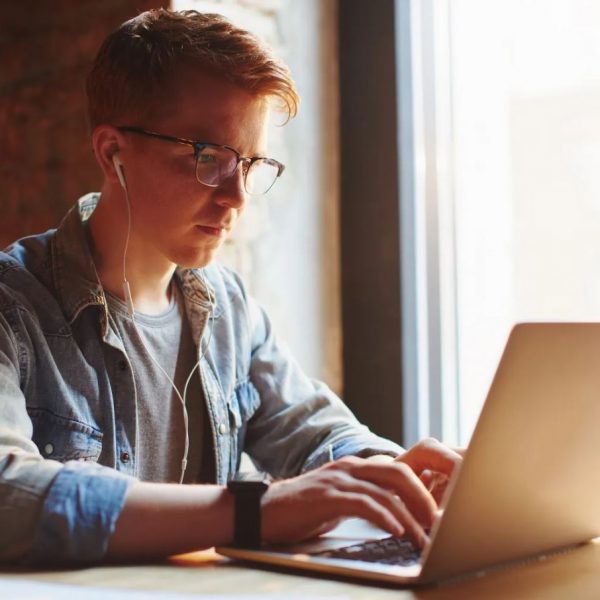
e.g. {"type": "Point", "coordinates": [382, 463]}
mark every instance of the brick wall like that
{"type": "Point", "coordinates": [46, 162]}
{"type": "Point", "coordinates": [287, 247]}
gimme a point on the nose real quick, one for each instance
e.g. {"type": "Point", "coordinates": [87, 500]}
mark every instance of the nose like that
{"type": "Point", "coordinates": [232, 193]}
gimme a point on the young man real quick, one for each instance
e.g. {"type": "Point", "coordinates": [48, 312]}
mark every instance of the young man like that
{"type": "Point", "coordinates": [130, 361]}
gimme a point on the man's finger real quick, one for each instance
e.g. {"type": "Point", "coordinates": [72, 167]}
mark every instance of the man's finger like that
{"type": "Point", "coordinates": [460, 451]}
{"type": "Point", "coordinates": [432, 455]}
{"type": "Point", "coordinates": [362, 505]}
{"type": "Point", "coordinates": [388, 500]}
{"type": "Point", "coordinates": [402, 481]}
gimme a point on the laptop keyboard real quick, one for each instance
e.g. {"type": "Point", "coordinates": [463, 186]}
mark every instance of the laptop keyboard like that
{"type": "Point", "coordinates": [388, 551]}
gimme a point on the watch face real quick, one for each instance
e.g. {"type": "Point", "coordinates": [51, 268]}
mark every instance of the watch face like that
{"type": "Point", "coordinates": [252, 477]}
{"type": "Point", "coordinates": [253, 481]}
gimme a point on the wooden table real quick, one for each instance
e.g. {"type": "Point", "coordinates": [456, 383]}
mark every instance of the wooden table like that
{"type": "Point", "coordinates": [573, 575]}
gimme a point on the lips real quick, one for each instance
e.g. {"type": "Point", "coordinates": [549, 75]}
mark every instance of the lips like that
{"type": "Point", "coordinates": [214, 230]}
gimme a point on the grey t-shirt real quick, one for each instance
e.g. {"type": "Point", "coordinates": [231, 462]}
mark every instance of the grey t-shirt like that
{"type": "Point", "coordinates": [161, 433]}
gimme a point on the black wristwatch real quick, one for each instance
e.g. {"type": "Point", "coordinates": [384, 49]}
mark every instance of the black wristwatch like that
{"type": "Point", "coordinates": [248, 489]}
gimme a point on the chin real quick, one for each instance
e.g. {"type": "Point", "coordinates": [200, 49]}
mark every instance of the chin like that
{"type": "Point", "coordinates": [195, 260]}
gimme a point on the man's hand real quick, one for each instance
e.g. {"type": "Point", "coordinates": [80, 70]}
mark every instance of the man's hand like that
{"type": "Point", "coordinates": [390, 495]}
{"type": "Point", "coordinates": [432, 461]}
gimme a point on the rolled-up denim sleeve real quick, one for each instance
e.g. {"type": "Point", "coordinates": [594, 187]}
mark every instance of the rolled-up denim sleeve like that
{"type": "Point", "coordinates": [300, 423]}
{"type": "Point", "coordinates": [79, 514]}
{"type": "Point", "coordinates": [49, 511]}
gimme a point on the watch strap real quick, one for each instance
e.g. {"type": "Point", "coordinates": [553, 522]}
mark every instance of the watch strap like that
{"type": "Point", "coordinates": [248, 490]}
{"type": "Point", "coordinates": [247, 520]}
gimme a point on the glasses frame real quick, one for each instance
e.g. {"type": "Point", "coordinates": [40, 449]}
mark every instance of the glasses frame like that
{"type": "Point", "coordinates": [198, 146]}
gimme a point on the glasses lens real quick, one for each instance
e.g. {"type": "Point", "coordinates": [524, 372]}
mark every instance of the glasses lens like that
{"type": "Point", "coordinates": [261, 176]}
{"type": "Point", "coordinates": [214, 164]}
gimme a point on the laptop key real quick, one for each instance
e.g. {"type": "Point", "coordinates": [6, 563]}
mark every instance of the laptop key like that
{"type": "Point", "coordinates": [388, 551]}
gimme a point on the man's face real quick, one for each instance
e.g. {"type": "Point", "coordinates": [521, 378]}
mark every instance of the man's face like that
{"type": "Point", "coordinates": [173, 215]}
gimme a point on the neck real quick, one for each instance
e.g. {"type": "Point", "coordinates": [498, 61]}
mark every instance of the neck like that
{"type": "Point", "coordinates": [149, 273]}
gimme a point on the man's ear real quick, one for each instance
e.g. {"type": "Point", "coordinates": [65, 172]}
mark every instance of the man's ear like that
{"type": "Point", "coordinates": [107, 141]}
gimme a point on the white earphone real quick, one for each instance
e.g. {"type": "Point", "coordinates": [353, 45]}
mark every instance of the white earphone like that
{"type": "Point", "coordinates": [121, 175]}
{"type": "Point", "coordinates": [119, 169]}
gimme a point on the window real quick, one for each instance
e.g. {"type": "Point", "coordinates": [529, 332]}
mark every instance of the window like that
{"type": "Point", "coordinates": [505, 199]}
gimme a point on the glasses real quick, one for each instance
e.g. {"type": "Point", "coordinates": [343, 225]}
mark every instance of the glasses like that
{"type": "Point", "coordinates": [216, 163]}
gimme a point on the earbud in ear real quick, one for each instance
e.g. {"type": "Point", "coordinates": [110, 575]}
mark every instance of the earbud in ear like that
{"type": "Point", "coordinates": [119, 169]}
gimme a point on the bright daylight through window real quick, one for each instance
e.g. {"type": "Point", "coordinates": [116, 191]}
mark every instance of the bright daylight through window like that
{"type": "Point", "coordinates": [507, 155]}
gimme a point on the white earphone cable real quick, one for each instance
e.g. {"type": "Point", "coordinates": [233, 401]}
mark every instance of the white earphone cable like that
{"type": "Point", "coordinates": [202, 352]}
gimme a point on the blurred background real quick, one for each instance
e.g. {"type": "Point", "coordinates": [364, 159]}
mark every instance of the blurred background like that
{"type": "Point", "coordinates": [442, 181]}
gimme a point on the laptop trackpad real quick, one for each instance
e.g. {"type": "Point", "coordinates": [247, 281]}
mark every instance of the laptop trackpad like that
{"type": "Point", "coordinates": [347, 533]}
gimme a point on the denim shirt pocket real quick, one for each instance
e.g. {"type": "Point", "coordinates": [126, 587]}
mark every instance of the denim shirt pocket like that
{"type": "Point", "coordinates": [243, 403]}
{"type": "Point", "coordinates": [63, 439]}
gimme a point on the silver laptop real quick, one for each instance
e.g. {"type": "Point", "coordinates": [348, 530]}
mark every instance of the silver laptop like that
{"type": "Point", "coordinates": [529, 485]}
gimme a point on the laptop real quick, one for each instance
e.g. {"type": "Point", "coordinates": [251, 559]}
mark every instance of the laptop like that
{"type": "Point", "coordinates": [529, 484]}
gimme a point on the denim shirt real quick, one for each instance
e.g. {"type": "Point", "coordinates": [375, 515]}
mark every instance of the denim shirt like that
{"type": "Point", "coordinates": [68, 415]}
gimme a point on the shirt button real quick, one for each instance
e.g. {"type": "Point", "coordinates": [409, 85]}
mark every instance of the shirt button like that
{"type": "Point", "coordinates": [122, 364]}
{"type": "Point", "coordinates": [222, 428]}
{"type": "Point", "coordinates": [124, 457]}
{"type": "Point", "coordinates": [48, 449]}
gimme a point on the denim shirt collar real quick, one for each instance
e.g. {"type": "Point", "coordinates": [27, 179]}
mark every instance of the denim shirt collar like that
{"type": "Point", "coordinates": [73, 269]}
{"type": "Point", "coordinates": [76, 280]}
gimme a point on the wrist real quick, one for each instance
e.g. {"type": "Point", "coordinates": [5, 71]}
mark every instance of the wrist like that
{"type": "Point", "coordinates": [225, 504]}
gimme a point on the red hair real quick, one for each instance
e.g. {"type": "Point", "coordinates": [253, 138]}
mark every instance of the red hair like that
{"type": "Point", "coordinates": [135, 62]}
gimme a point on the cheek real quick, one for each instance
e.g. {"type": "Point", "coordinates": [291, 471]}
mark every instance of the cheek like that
{"type": "Point", "coordinates": [165, 194]}
{"type": "Point", "coordinates": [163, 206]}
{"type": "Point", "coordinates": [164, 171]}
